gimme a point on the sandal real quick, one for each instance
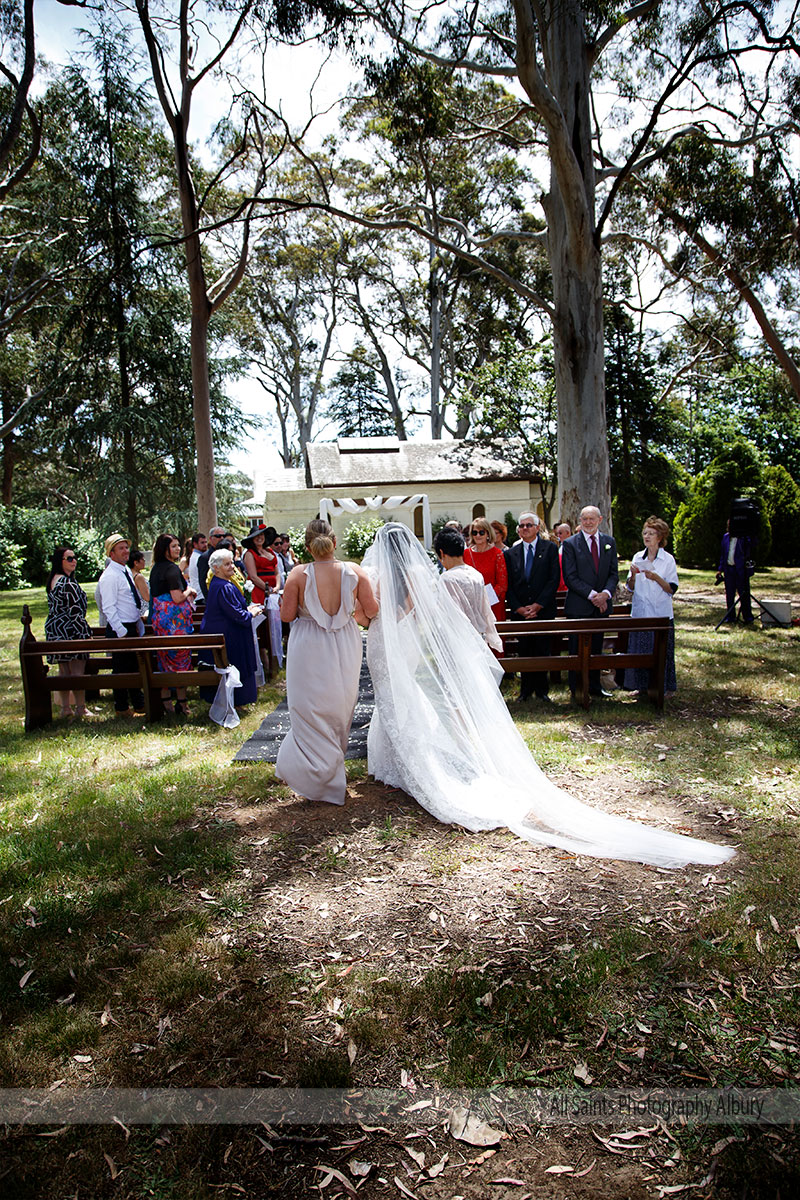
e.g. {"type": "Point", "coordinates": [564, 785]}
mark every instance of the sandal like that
{"type": "Point", "coordinates": [182, 708]}
{"type": "Point", "coordinates": [169, 706]}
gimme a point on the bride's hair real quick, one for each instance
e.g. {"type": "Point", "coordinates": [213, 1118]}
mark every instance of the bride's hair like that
{"type": "Point", "coordinates": [319, 538]}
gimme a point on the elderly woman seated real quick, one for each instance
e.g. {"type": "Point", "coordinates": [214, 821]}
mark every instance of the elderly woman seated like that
{"type": "Point", "coordinates": [227, 612]}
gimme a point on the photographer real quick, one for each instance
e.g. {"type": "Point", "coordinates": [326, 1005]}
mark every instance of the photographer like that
{"type": "Point", "coordinates": [736, 565]}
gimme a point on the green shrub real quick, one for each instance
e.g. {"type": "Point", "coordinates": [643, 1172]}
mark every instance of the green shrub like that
{"type": "Point", "coordinates": [297, 541]}
{"type": "Point", "coordinates": [701, 520]}
{"type": "Point", "coordinates": [782, 506]}
{"type": "Point", "coordinates": [359, 536]}
{"type": "Point", "coordinates": [38, 531]}
{"type": "Point", "coordinates": [11, 567]}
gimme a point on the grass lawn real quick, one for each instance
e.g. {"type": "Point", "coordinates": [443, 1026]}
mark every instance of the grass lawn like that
{"type": "Point", "coordinates": [169, 918]}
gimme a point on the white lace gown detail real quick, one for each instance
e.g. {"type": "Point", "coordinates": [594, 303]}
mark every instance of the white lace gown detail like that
{"type": "Point", "coordinates": [323, 664]}
{"type": "Point", "coordinates": [441, 730]}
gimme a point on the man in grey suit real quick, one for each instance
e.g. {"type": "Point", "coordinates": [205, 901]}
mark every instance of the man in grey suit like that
{"type": "Point", "coordinates": [589, 565]}
{"type": "Point", "coordinates": [533, 577]}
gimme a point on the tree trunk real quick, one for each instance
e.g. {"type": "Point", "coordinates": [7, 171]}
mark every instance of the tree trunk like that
{"type": "Point", "coordinates": [201, 316]}
{"type": "Point", "coordinates": [563, 100]}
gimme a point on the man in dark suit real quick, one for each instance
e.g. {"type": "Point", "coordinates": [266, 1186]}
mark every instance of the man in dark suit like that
{"type": "Point", "coordinates": [533, 576]}
{"type": "Point", "coordinates": [735, 567]}
{"type": "Point", "coordinates": [589, 564]}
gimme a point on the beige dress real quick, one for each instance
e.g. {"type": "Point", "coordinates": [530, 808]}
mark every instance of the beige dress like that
{"type": "Point", "coordinates": [323, 664]}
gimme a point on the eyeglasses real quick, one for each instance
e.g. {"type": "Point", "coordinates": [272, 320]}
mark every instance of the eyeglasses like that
{"type": "Point", "coordinates": [70, 558]}
{"type": "Point", "coordinates": [479, 533]}
{"type": "Point", "coordinates": [527, 525]}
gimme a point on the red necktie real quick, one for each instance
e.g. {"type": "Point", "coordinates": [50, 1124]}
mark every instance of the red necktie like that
{"type": "Point", "coordinates": [595, 553]}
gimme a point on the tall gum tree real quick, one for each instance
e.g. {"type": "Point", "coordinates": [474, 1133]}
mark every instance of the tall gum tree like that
{"type": "Point", "coordinates": [683, 67]}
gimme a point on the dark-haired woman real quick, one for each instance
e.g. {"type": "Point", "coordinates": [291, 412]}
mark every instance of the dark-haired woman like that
{"type": "Point", "coordinates": [66, 619]}
{"type": "Point", "coordinates": [323, 664]}
{"type": "Point", "coordinates": [136, 565]}
{"type": "Point", "coordinates": [261, 561]}
{"type": "Point", "coordinates": [171, 607]}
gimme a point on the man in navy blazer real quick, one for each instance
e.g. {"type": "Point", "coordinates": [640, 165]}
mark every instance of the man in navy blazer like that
{"type": "Point", "coordinates": [532, 595]}
{"type": "Point", "coordinates": [591, 573]}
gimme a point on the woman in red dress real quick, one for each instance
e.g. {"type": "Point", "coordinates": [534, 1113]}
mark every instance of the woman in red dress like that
{"type": "Point", "coordinates": [260, 561]}
{"type": "Point", "coordinates": [486, 557]}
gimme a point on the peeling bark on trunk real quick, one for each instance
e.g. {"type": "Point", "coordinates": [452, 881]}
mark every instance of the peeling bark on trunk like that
{"type": "Point", "coordinates": [552, 61]}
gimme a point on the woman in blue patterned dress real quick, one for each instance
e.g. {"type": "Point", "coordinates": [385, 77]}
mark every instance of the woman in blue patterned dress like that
{"type": "Point", "coordinates": [171, 608]}
{"type": "Point", "coordinates": [66, 619]}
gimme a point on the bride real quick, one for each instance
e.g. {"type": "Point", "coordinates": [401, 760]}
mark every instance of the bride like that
{"type": "Point", "coordinates": [437, 700]}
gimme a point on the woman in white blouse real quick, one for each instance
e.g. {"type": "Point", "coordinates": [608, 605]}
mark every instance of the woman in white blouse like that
{"type": "Point", "coordinates": [653, 579]}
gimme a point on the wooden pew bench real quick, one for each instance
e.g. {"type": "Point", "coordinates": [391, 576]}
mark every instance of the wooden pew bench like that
{"type": "Point", "coordinates": [616, 630]}
{"type": "Point", "coordinates": [39, 682]}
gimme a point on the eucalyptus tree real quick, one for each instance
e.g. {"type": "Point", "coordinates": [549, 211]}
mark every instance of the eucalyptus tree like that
{"type": "Point", "coordinates": [725, 221]}
{"type": "Point", "coordinates": [192, 43]}
{"type": "Point", "coordinates": [610, 89]}
{"type": "Point", "coordinates": [429, 145]}
{"type": "Point", "coordinates": [111, 435]}
{"type": "Point", "coordinates": [288, 315]}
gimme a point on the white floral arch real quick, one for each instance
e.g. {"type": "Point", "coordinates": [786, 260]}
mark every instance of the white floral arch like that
{"type": "Point", "coordinates": [330, 508]}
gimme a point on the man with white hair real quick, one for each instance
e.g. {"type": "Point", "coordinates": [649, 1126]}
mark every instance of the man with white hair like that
{"type": "Point", "coordinates": [532, 565]}
{"type": "Point", "coordinates": [589, 564]}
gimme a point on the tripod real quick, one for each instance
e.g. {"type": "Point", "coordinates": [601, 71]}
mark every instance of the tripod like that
{"type": "Point", "coordinates": [736, 606]}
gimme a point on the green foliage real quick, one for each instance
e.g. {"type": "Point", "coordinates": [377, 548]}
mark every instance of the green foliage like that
{"type": "Point", "coordinates": [657, 488]}
{"type": "Point", "coordinates": [512, 401]}
{"type": "Point", "coordinates": [782, 507]}
{"type": "Point", "coordinates": [359, 536]}
{"type": "Point", "coordinates": [701, 520]}
{"type": "Point", "coordinates": [37, 532]}
{"type": "Point", "coordinates": [297, 541]}
{"type": "Point", "coordinates": [11, 566]}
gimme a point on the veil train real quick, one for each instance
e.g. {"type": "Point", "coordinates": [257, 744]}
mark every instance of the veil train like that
{"type": "Point", "coordinates": [441, 730]}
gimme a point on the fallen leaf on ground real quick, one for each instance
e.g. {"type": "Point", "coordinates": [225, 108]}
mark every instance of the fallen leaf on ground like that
{"type": "Point", "coordinates": [559, 1170]}
{"type": "Point", "coordinates": [465, 1126]}
{"type": "Point", "coordinates": [399, 1184]}
{"type": "Point", "coordinates": [112, 1166]}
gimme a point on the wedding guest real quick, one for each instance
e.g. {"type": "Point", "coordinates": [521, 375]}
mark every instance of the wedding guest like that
{"type": "Point", "coordinates": [227, 612]}
{"type": "Point", "coordinates": [136, 565]}
{"type": "Point", "coordinates": [172, 603]}
{"type": "Point", "coordinates": [121, 605]}
{"type": "Point", "coordinates": [500, 534]}
{"type": "Point", "coordinates": [653, 579]}
{"type": "Point", "coordinates": [591, 574]}
{"type": "Point", "coordinates": [488, 559]}
{"type": "Point", "coordinates": [66, 620]}
{"type": "Point", "coordinates": [214, 538]}
{"type": "Point", "coordinates": [562, 532]}
{"type": "Point", "coordinates": [261, 561]}
{"type": "Point", "coordinates": [199, 547]}
{"type": "Point", "coordinates": [466, 586]}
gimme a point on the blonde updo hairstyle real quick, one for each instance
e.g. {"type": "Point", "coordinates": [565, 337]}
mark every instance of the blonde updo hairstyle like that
{"type": "Point", "coordinates": [661, 528]}
{"type": "Point", "coordinates": [319, 539]}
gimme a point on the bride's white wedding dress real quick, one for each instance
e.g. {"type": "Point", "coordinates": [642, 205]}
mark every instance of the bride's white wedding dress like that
{"type": "Point", "coordinates": [441, 730]}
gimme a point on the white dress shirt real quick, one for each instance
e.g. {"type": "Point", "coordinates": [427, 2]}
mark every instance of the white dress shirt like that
{"type": "Point", "coordinates": [115, 599]}
{"type": "Point", "coordinates": [194, 578]}
{"type": "Point", "coordinates": [649, 598]}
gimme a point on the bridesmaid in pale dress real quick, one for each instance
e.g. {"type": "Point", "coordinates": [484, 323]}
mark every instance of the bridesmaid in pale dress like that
{"type": "Point", "coordinates": [323, 601]}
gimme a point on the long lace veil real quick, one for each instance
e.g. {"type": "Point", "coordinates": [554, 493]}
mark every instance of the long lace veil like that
{"type": "Point", "coordinates": [441, 730]}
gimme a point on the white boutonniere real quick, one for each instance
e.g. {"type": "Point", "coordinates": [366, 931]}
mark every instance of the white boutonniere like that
{"type": "Point", "coordinates": [607, 546]}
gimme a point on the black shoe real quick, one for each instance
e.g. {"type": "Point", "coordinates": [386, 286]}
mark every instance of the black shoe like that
{"type": "Point", "coordinates": [543, 696]}
{"type": "Point", "coordinates": [523, 696]}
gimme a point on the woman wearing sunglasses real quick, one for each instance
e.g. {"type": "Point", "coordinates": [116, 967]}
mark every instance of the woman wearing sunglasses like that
{"type": "Point", "coordinates": [486, 557]}
{"type": "Point", "coordinates": [66, 619]}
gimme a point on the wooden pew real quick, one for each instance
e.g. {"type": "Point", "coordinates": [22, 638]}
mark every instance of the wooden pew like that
{"type": "Point", "coordinates": [616, 630]}
{"type": "Point", "coordinates": [39, 682]}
